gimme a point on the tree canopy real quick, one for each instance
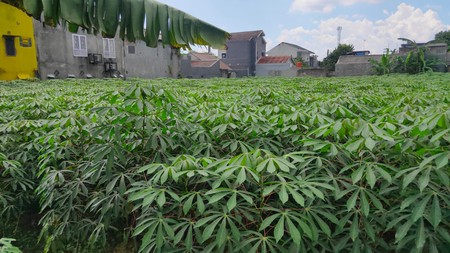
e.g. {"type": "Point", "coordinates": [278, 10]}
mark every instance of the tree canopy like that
{"type": "Point", "coordinates": [135, 19]}
{"type": "Point", "coordinates": [443, 37]}
{"type": "Point", "coordinates": [330, 61]}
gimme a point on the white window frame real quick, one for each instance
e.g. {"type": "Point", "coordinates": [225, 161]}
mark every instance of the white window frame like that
{"type": "Point", "coordinates": [79, 45]}
{"type": "Point", "coordinates": [109, 48]}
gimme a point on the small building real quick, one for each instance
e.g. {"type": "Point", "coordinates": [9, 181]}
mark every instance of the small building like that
{"type": "Point", "coordinates": [243, 50]}
{"type": "Point", "coordinates": [359, 53]}
{"type": "Point", "coordinates": [295, 51]}
{"type": "Point", "coordinates": [17, 45]}
{"type": "Point", "coordinates": [203, 65]}
{"type": "Point", "coordinates": [354, 65]}
{"type": "Point", "coordinates": [276, 66]}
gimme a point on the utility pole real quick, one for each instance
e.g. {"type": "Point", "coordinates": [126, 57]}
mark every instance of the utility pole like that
{"type": "Point", "coordinates": [339, 29]}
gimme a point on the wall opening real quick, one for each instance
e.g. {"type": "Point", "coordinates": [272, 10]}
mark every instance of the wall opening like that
{"type": "Point", "coordinates": [10, 45]}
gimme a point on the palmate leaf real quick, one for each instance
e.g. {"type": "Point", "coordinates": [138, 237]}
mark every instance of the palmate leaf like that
{"type": "Point", "coordinates": [139, 20]}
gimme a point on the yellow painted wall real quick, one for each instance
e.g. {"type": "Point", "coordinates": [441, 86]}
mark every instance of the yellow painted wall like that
{"type": "Point", "coordinates": [14, 22]}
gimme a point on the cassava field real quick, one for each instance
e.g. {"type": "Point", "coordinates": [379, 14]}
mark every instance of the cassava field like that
{"type": "Point", "coordinates": [227, 165]}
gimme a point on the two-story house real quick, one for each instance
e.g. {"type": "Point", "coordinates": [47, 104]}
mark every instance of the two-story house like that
{"type": "Point", "coordinates": [243, 50]}
{"type": "Point", "coordinates": [284, 48]}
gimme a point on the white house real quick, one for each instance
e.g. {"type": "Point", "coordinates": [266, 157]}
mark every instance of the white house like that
{"type": "Point", "coordinates": [294, 51]}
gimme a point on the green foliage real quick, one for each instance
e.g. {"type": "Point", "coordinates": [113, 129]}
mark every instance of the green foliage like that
{"type": "Point", "coordinates": [176, 27]}
{"type": "Point", "coordinates": [221, 165]}
{"type": "Point", "coordinates": [416, 61]}
{"type": "Point", "coordinates": [7, 247]}
{"type": "Point", "coordinates": [387, 63]}
{"type": "Point", "coordinates": [330, 61]}
{"type": "Point", "coordinates": [443, 37]}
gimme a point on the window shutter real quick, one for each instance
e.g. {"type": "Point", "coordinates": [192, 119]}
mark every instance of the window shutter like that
{"type": "Point", "coordinates": [109, 48]}
{"type": "Point", "coordinates": [79, 44]}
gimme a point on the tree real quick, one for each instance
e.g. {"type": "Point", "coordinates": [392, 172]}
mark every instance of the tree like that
{"type": "Point", "coordinates": [138, 20]}
{"type": "Point", "coordinates": [416, 60]}
{"type": "Point", "coordinates": [387, 63]}
{"type": "Point", "coordinates": [330, 61]}
{"type": "Point", "coordinates": [443, 37]}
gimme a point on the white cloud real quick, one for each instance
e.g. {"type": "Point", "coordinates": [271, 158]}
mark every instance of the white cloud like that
{"type": "Point", "coordinates": [324, 5]}
{"type": "Point", "coordinates": [407, 21]}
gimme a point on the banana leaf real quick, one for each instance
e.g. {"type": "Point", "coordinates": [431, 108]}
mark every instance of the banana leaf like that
{"type": "Point", "coordinates": [68, 13]}
{"type": "Point", "coordinates": [152, 24]}
{"type": "Point", "coordinates": [175, 27]}
{"type": "Point", "coordinates": [33, 7]}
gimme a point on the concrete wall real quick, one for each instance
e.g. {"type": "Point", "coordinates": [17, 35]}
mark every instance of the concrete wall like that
{"type": "Point", "coordinates": [238, 57]}
{"type": "Point", "coordinates": [243, 55]}
{"type": "Point", "coordinates": [351, 65]}
{"type": "Point", "coordinates": [280, 69]}
{"type": "Point", "coordinates": [55, 56]}
{"type": "Point", "coordinates": [314, 72]}
{"type": "Point", "coordinates": [147, 62]}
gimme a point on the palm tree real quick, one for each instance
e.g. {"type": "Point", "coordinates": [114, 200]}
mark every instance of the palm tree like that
{"type": "Point", "coordinates": [136, 20]}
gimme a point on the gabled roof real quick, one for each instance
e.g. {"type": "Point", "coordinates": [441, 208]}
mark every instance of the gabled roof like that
{"type": "Point", "coordinates": [203, 64]}
{"type": "Point", "coordinates": [224, 66]}
{"type": "Point", "coordinates": [274, 59]}
{"type": "Point", "coordinates": [206, 60]}
{"type": "Point", "coordinates": [203, 56]}
{"type": "Point", "coordinates": [246, 35]}
{"type": "Point", "coordinates": [296, 46]}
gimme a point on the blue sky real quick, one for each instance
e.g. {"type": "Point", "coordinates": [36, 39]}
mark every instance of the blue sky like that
{"type": "Point", "coordinates": [367, 24]}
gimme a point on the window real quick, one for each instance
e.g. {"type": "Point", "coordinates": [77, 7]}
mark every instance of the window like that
{"type": "Point", "coordinates": [79, 45]}
{"type": "Point", "coordinates": [25, 42]}
{"type": "Point", "coordinates": [10, 45]}
{"type": "Point", "coordinates": [224, 55]}
{"type": "Point", "coordinates": [131, 50]}
{"type": "Point", "coordinates": [263, 54]}
{"type": "Point", "coordinates": [109, 48]}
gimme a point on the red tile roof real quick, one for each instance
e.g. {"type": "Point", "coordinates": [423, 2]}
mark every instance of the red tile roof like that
{"type": "Point", "coordinates": [274, 59]}
{"type": "Point", "coordinates": [246, 35]}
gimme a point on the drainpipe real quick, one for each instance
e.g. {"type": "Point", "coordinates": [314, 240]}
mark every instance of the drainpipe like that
{"type": "Point", "coordinates": [123, 58]}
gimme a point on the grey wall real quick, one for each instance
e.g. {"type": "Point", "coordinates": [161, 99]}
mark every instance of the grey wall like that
{"type": "Point", "coordinates": [238, 57]}
{"type": "Point", "coordinates": [351, 65]}
{"type": "Point", "coordinates": [274, 69]}
{"type": "Point", "coordinates": [55, 55]}
{"type": "Point", "coordinates": [151, 62]}
{"type": "Point", "coordinates": [243, 55]}
{"type": "Point", "coordinates": [314, 72]}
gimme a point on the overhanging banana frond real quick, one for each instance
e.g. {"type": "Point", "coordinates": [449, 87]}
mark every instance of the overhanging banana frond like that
{"type": "Point", "coordinates": [138, 20]}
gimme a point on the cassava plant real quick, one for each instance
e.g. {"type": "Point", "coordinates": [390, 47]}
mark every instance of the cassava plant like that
{"type": "Point", "coordinates": [243, 165]}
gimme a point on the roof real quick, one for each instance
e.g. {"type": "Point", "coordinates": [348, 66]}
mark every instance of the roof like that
{"type": "Point", "coordinates": [274, 59]}
{"type": "Point", "coordinates": [203, 64]}
{"type": "Point", "coordinates": [246, 35]}
{"type": "Point", "coordinates": [224, 66]}
{"type": "Point", "coordinates": [203, 56]}
{"type": "Point", "coordinates": [296, 46]}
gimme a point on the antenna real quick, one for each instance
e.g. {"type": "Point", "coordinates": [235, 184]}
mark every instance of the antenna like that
{"type": "Point", "coordinates": [339, 29]}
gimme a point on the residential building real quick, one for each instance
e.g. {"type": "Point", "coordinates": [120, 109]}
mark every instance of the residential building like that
{"type": "Point", "coordinates": [203, 65]}
{"type": "Point", "coordinates": [308, 57]}
{"type": "Point", "coordinates": [63, 54]}
{"type": "Point", "coordinates": [243, 50]}
{"type": "Point", "coordinates": [276, 66]}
